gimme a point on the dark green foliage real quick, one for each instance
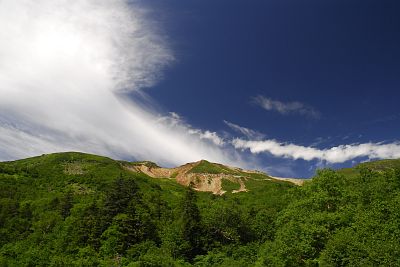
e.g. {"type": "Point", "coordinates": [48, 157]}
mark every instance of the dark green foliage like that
{"type": "Point", "coordinates": [89, 225]}
{"type": "Point", "coordinates": [191, 225]}
{"type": "Point", "coordinates": [120, 194]}
{"type": "Point", "coordinates": [74, 209]}
{"type": "Point", "coordinates": [340, 221]}
{"type": "Point", "coordinates": [66, 204]}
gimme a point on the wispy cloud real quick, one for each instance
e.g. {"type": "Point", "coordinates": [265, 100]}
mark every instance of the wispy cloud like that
{"type": "Point", "coordinates": [65, 68]}
{"type": "Point", "coordinates": [207, 135]}
{"type": "Point", "coordinates": [286, 108]}
{"type": "Point", "coordinates": [175, 120]}
{"type": "Point", "coordinates": [249, 133]}
{"type": "Point", "coordinates": [337, 154]}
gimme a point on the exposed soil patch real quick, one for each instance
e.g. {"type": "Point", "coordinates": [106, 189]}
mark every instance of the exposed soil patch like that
{"type": "Point", "coordinates": [204, 181]}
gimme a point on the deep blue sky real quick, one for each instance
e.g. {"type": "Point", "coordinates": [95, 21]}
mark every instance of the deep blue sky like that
{"type": "Point", "coordinates": [340, 57]}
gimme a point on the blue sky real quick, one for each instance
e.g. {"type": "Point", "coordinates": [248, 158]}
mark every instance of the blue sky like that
{"type": "Point", "coordinates": [339, 57]}
{"type": "Point", "coordinates": [283, 86]}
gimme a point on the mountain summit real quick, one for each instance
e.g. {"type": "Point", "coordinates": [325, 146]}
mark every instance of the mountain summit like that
{"type": "Point", "coordinates": [206, 176]}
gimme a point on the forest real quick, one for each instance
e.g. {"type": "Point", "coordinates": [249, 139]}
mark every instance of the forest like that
{"type": "Point", "coordinates": [75, 209]}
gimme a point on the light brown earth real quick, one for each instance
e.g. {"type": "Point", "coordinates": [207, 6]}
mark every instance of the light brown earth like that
{"type": "Point", "coordinates": [205, 182]}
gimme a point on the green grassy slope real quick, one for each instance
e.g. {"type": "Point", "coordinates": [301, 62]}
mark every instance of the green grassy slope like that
{"type": "Point", "coordinates": [251, 180]}
{"type": "Point", "coordinates": [378, 165]}
{"type": "Point", "coordinates": [212, 168]}
{"type": "Point", "coordinates": [76, 209]}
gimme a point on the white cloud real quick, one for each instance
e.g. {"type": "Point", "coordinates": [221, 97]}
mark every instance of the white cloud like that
{"type": "Point", "coordinates": [338, 154]}
{"type": "Point", "coordinates": [175, 120]}
{"type": "Point", "coordinates": [249, 133]}
{"type": "Point", "coordinates": [207, 135]}
{"type": "Point", "coordinates": [286, 107]}
{"type": "Point", "coordinates": [65, 68]}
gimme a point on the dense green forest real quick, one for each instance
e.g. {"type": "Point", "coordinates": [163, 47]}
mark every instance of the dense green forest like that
{"type": "Point", "coordinates": [74, 209]}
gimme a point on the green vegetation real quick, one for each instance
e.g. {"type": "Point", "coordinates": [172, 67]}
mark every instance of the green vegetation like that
{"type": "Point", "coordinates": [380, 165]}
{"type": "Point", "coordinates": [340, 220]}
{"type": "Point", "coordinates": [212, 168]}
{"type": "Point", "coordinates": [74, 209]}
{"type": "Point", "coordinates": [229, 186]}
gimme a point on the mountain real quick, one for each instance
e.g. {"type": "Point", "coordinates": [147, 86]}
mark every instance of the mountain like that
{"type": "Point", "coordinates": [206, 176]}
{"type": "Point", "coordinates": [76, 209]}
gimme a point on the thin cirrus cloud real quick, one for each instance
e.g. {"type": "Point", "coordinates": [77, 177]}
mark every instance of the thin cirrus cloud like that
{"type": "Point", "coordinates": [286, 108]}
{"type": "Point", "coordinates": [338, 154]}
{"type": "Point", "coordinates": [249, 133]}
{"type": "Point", "coordinates": [66, 68]}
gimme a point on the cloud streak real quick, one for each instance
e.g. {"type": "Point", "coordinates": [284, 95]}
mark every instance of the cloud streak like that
{"type": "Point", "coordinates": [176, 120]}
{"type": "Point", "coordinates": [286, 108]}
{"type": "Point", "coordinates": [65, 70]}
{"type": "Point", "coordinates": [249, 133]}
{"type": "Point", "coordinates": [338, 154]}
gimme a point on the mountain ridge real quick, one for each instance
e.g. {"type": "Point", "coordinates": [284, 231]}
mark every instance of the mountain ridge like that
{"type": "Point", "coordinates": [205, 176]}
{"type": "Point", "coordinates": [75, 209]}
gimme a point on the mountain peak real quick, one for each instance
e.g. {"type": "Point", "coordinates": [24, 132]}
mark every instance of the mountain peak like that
{"type": "Point", "coordinates": [206, 176]}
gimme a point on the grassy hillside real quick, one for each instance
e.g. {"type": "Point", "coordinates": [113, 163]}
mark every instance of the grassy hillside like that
{"type": "Point", "coordinates": [212, 168]}
{"type": "Point", "coordinates": [74, 209]}
{"type": "Point", "coordinates": [206, 176]}
{"type": "Point", "coordinates": [379, 165]}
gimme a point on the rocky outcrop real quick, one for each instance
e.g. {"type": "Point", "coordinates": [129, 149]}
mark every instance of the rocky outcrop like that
{"type": "Point", "coordinates": [204, 181]}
